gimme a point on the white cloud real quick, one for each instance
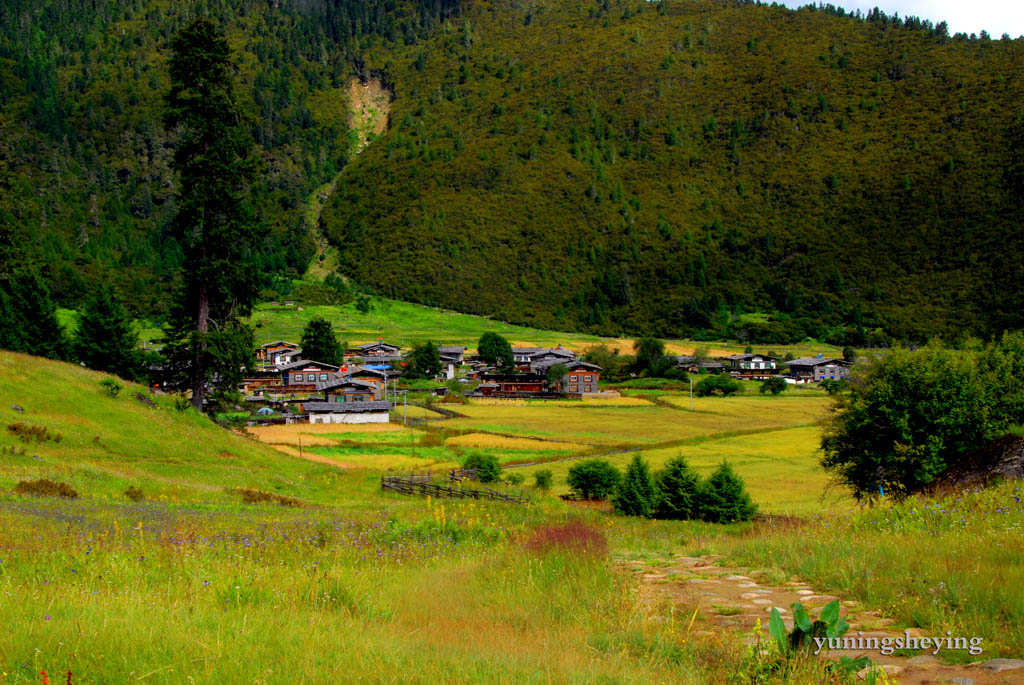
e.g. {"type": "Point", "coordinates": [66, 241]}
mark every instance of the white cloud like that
{"type": "Point", "coordinates": [995, 16]}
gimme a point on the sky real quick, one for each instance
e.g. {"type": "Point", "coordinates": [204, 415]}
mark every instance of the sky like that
{"type": "Point", "coordinates": [995, 16]}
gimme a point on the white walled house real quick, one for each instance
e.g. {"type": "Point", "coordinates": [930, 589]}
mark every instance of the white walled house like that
{"type": "Point", "coordinates": [348, 412]}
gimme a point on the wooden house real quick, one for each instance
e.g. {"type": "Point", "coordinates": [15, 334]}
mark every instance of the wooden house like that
{"type": "Point", "coordinates": [347, 412]}
{"type": "Point", "coordinates": [277, 352]}
{"type": "Point", "coordinates": [350, 389]}
{"type": "Point", "coordinates": [752, 365]}
{"type": "Point", "coordinates": [452, 354]}
{"type": "Point", "coordinates": [816, 369]}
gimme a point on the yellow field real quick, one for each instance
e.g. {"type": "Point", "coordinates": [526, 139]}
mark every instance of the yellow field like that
{"type": "Point", "coordinates": [645, 423]}
{"type": "Point", "coordinates": [483, 440]}
{"type": "Point", "coordinates": [780, 468]}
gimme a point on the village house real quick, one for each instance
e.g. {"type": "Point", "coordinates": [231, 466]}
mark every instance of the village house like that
{"type": "Point", "coordinates": [347, 412]}
{"type": "Point", "coordinates": [350, 389]}
{"type": "Point", "coordinates": [512, 385]}
{"type": "Point", "coordinates": [376, 349]}
{"type": "Point", "coordinates": [452, 354]}
{"type": "Point", "coordinates": [522, 355]}
{"type": "Point", "coordinates": [816, 369]}
{"type": "Point", "coordinates": [694, 365]}
{"type": "Point", "coordinates": [752, 366]}
{"type": "Point", "coordinates": [277, 353]}
{"type": "Point", "coordinates": [580, 379]}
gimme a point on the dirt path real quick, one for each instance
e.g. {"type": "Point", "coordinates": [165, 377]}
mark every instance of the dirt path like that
{"type": "Point", "coordinates": [733, 599]}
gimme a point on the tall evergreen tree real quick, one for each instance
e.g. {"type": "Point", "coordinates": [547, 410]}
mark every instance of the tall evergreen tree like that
{"type": "Point", "coordinates": [723, 497]}
{"type": "Point", "coordinates": [320, 342]}
{"type": "Point", "coordinates": [105, 339]}
{"type": "Point", "coordinates": [215, 223]}
{"type": "Point", "coordinates": [678, 485]}
{"type": "Point", "coordinates": [637, 494]}
{"type": "Point", "coordinates": [28, 317]}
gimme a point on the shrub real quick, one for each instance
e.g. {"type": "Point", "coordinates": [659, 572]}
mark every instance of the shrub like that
{"type": "Point", "coordinates": [45, 488]}
{"type": "Point", "coordinates": [593, 479]}
{"type": "Point", "coordinates": [542, 479]}
{"type": "Point", "coordinates": [134, 494]}
{"type": "Point", "coordinates": [111, 386]}
{"type": "Point", "coordinates": [574, 537]}
{"type": "Point", "coordinates": [910, 415]}
{"type": "Point", "coordinates": [27, 433]}
{"type": "Point", "coordinates": [254, 496]}
{"type": "Point", "coordinates": [637, 494]}
{"type": "Point", "coordinates": [486, 466]}
{"type": "Point", "coordinates": [717, 383]}
{"type": "Point", "coordinates": [775, 385]}
{"type": "Point", "coordinates": [723, 498]}
{"type": "Point", "coordinates": [678, 486]}
{"type": "Point", "coordinates": [515, 478]}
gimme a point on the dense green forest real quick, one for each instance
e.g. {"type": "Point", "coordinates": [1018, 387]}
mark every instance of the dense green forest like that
{"type": "Point", "coordinates": [667, 167]}
{"type": "Point", "coordinates": [699, 168]}
{"type": "Point", "coordinates": [86, 188]}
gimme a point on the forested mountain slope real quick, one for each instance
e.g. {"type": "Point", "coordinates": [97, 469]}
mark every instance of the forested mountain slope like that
{"type": "Point", "coordinates": [664, 167]}
{"type": "Point", "coordinates": [86, 189]}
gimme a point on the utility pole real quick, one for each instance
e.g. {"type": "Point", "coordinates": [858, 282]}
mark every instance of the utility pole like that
{"type": "Point", "coordinates": [691, 393]}
{"type": "Point", "coordinates": [405, 408]}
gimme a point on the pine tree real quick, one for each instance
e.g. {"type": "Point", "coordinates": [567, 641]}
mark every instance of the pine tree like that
{"type": "Point", "coordinates": [678, 486]}
{"type": "Point", "coordinates": [28, 318]}
{"type": "Point", "coordinates": [723, 498]}
{"type": "Point", "coordinates": [637, 494]}
{"type": "Point", "coordinates": [215, 224]}
{"type": "Point", "coordinates": [320, 342]}
{"type": "Point", "coordinates": [105, 339]}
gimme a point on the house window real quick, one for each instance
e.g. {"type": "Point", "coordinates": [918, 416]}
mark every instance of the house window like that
{"type": "Point", "coordinates": [588, 378]}
{"type": "Point", "coordinates": [572, 377]}
{"type": "Point", "coordinates": [298, 376]}
{"type": "Point", "coordinates": [573, 388]}
{"type": "Point", "coordinates": [323, 376]}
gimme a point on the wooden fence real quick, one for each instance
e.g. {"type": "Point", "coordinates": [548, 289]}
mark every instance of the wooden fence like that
{"type": "Point", "coordinates": [418, 485]}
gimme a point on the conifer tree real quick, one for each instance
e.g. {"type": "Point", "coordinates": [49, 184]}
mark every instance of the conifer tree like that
{"type": "Point", "coordinates": [723, 497]}
{"type": "Point", "coordinates": [105, 339]}
{"type": "Point", "coordinates": [215, 224]}
{"type": "Point", "coordinates": [28, 317]}
{"type": "Point", "coordinates": [320, 342]}
{"type": "Point", "coordinates": [637, 494]}
{"type": "Point", "coordinates": [678, 486]}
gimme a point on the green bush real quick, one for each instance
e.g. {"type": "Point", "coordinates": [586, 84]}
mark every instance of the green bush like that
{"type": "Point", "coordinates": [723, 498]}
{"type": "Point", "coordinates": [542, 479]}
{"type": "Point", "coordinates": [678, 486]}
{"type": "Point", "coordinates": [719, 383]}
{"type": "Point", "coordinates": [911, 415]}
{"type": "Point", "coordinates": [636, 495]}
{"type": "Point", "coordinates": [112, 387]}
{"type": "Point", "coordinates": [486, 466]}
{"type": "Point", "coordinates": [774, 385]}
{"type": "Point", "coordinates": [593, 479]}
{"type": "Point", "coordinates": [515, 479]}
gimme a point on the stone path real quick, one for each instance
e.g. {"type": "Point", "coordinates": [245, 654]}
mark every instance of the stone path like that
{"type": "Point", "coordinates": [729, 598]}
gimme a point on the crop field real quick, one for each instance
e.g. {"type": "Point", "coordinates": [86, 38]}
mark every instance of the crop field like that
{"type": "Point", "coordinates": [189, 583]}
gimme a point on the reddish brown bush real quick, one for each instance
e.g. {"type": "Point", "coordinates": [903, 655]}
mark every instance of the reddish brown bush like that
{"type": "Point", "coordinates": [254, 496]}
{"type": "Point", "coordinates": [575, 536]}
{"type": "Point", "coordinates": [27, 433]}
{"type": "Point", "coordinates": [45, 488]}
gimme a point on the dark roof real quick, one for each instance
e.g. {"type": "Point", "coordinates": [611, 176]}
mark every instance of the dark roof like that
{"type": "Point", "coordinates": [379, 343]}
{"type": "Point", "coordinates": [277, 342]}
{"type": "Point", "coordinates": [308, 362]}
{"type": "Point", "coordinates": [570, 365]}
{"type": "Point", "coordinates": [526, 350]}
{"type": "Point", "coordinates": [818, 361]}
{"type": "Point", "coordinates": [346, 407]}
{"type": "Point", "coordinates": [751, 355]}
{"type": "Point", "coordinates": [364, 371]}
{"type": "Point", "coordinates": [451, 349]}
{"type": "Point", "coordinates": [341, 382]}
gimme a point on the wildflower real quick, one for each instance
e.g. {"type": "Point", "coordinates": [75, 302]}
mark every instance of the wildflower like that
{"type": "Point", "coordinates": [46, 618]}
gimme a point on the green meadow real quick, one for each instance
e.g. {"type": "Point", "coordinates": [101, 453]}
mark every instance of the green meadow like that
{"type": "Point", "coordinates": [190, 584]}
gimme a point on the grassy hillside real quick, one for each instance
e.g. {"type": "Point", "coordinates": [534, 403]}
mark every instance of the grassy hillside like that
{"type": "Point", "coordinates": [108, 443]}
{"type": "Point", "coordinates": [666, 167]}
